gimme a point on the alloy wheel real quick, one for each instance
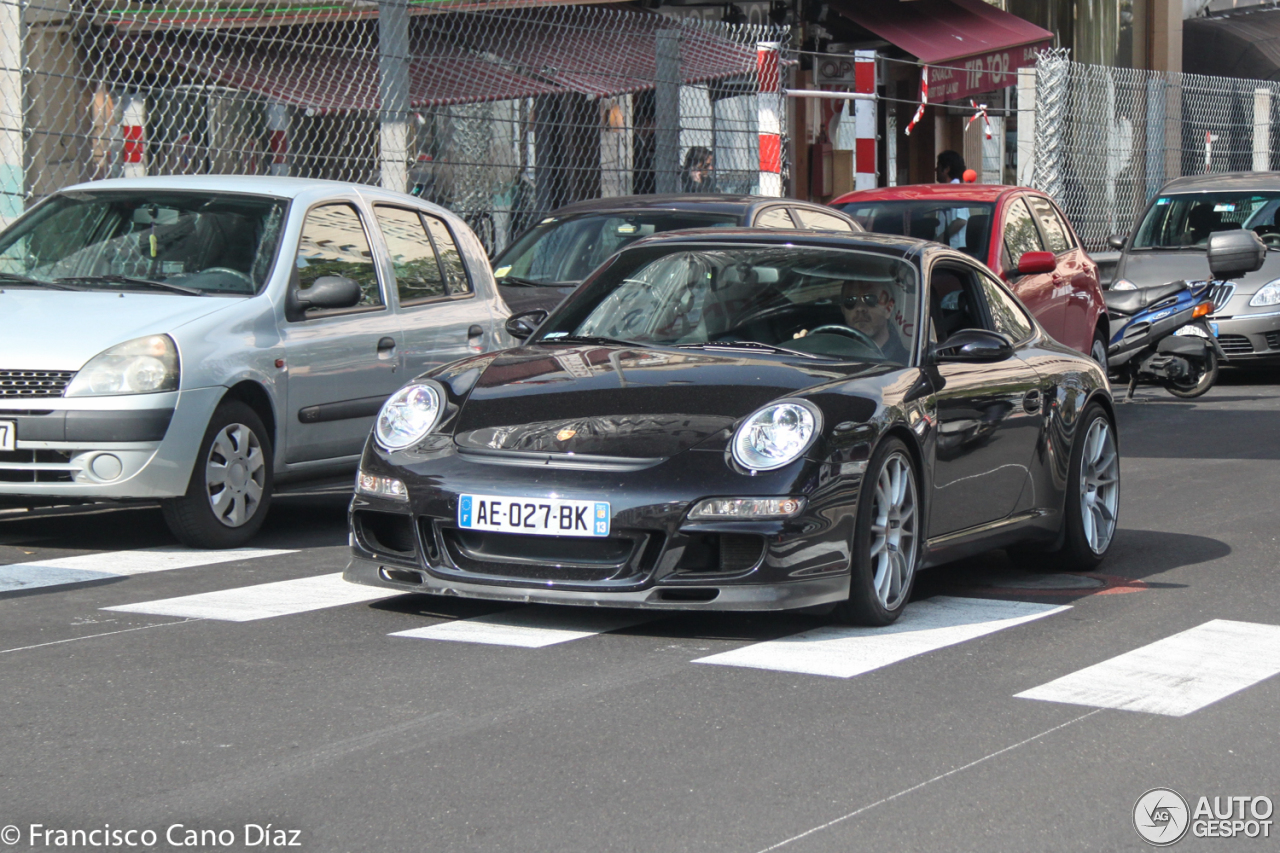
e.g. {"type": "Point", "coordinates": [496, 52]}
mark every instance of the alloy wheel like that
{"type": "Point", "coordinates": [235, 475]}
{"type": "Point", "coordinates": [1098, 352]}
{"type": "Point", "coordinates": [893, 531]}
{"type": "Point", "coordinates": [1099, 485]}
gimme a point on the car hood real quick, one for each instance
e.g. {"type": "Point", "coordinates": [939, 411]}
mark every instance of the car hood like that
{"type": "Point", "coordinates": [625, 402]}
{"type": "Point", "coordinates": [61, 330]}
{"type": "Point", "coordinates": [1150, 267]}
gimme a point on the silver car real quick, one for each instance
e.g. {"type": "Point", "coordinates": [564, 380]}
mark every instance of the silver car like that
{"type": "Point", "coordinates": [200, 340]}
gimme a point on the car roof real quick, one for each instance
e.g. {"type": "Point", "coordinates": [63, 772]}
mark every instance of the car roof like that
{"type": "Point", "coordinates": [1223, 181]}
{"type": "Point", "coordinates": [702, 202]}
{"type": "Point", "coordinates": [884, 243]}
{"type": "Point", "coordinates": [255, 184]}
{"type": "Point", "coordinates": [927, 192]}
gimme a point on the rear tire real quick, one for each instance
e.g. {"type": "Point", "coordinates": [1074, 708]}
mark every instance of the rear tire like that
{"type": "Point", "coordinates": [1196, 385]}
{"type": "Point", "coordinates": [886, 539]}
{"type": "Point", "coordinates": [1092, 505]}
{"type": "Point", "coordinates": [1098, 350]}
{"type": "Point", "coordinates": [230, 488]}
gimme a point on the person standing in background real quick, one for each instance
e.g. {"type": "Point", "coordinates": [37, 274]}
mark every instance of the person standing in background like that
{"type": "Point", "coordinates": [950, 167]}
{"type": "Point", "coordinates": [697, 176]}
{"type": "Point", "coordinates": [951, 226]}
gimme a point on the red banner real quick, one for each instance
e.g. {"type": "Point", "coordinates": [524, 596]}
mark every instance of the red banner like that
{"type": "Point", "coordinates": [987, 72]}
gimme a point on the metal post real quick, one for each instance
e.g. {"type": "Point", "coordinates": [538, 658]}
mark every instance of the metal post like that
{"type": "Point", "coordinates": [769, 111]}
{"type": "Point", "coordinates": [393, 93]}
{"type": "Point", "coordinates": [12, 146]}
{"type": "Point", "coordinates": [667, 112]}
{"type": "Point", "coordinates": [278, 140]}
{"type": "Point", "coordinates": [1261, 130]}
{"type": "Point", "coordinates": [1026, 125]}
{"type": "Point", "coordinates": [134, 131]}
{"type": "Point", "coordinates": [864, 121]}
{"type": "Point", "coordinates": [1155, 135]}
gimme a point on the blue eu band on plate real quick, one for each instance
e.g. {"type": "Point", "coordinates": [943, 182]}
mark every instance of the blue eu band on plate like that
{"type": "Point", "coordinates": [549, 517]}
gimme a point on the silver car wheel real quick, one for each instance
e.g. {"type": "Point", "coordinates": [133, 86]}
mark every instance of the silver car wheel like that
{"type": "Point", "coordinates": [1099, 352]}
{"type": "Point", "coordinates": [1099, 485]}
{"type": "Point", "coordinates": [235, 475]}
{"type": "Point", "coordinates": [893, 531]}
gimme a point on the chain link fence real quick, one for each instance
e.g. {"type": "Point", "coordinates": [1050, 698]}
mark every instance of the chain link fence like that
{"type": "Point", "coordinates": [1107, 139]}
{"type": "Point", "coordinates": [500, 112]}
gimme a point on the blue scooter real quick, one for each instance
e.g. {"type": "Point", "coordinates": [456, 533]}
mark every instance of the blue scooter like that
{"type": "Point", "coordinates": [1162, 334]}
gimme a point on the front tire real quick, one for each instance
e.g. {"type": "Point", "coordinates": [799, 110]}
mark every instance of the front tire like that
{"type": "Point", "coordinates": [886, 539]}
{"type": "Point", "coordinates": [230, 488]}
{"type": "Point", "coordinates": [1098, 350]}
{"type": "Point", "coordinates": [1196, 385]}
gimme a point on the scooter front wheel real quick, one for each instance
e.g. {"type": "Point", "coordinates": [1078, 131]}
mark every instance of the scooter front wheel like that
{"type": "Point", "coordinates": [1197, 383]}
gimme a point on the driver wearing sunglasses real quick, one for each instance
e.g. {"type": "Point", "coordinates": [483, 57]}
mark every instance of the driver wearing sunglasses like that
{"type": "Point", "coordinates": [867, 307]}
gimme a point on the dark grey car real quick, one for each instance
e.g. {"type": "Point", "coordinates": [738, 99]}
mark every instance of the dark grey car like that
{"type": "Point", "coordinates": [548, 261]}
{"type": "Point", "coordinates": [1169, 245]}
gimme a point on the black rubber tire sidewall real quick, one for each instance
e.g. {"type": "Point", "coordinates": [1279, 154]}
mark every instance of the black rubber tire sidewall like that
{"type": "Point", "coordinates": [1075, 553]}
{"type": "Point", "coordinates": [1206, 381]}
{"type": "Point", "coordinates": [190, 518]}
{"type": "Point", "coordinates": [862, 607]}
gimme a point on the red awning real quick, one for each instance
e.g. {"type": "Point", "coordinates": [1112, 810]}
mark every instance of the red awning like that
{"type": "Point", "coordinates": [982, 46]}
{"type": "Point", "coordinates": [501, 58]}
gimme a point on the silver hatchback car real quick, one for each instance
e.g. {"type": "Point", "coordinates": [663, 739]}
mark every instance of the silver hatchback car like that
{"type": "Point", "coordinates": [200, 340]}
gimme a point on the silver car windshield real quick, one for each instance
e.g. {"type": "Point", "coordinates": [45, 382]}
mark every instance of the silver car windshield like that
{"type": "Point", "coordinates": [174, 242]}
{"type": "Point", "coordinates": [830, 303]}
{"type": "Point", "coordinates": [1186, 221]}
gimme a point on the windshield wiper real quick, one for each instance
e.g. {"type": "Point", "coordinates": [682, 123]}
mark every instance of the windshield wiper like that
{"type": "Point", "coordinates": [528, 282]}
{"type": "Point", "coordinates": [748, 345]}
{"type": "Point", "coordinates": [590, 339]}
{"type": "Point", "coordinates": [141, 282]}
{"type": "Point", "coordinates": [26, 279]}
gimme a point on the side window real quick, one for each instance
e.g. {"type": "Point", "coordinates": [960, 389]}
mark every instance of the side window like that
{"type": "Point", "coordinates": [333, 242]}
{"type": "Point", "coordinates": [954, 302]}
{"type": "Point", "coordinates": [1020, 236]}
{"type": "Point", "coordinates": [819, 221]}
{"type": "Point", "coordinates": [1007, 314]}
{"type": "Point", "coordinates": [418, 276]}
{"type": "Point", "coordinates": [775, 217]}
{"type": "Point", "coordinates": [455, 271]}
{"type": "Point", "coordinates": [1055, 232]}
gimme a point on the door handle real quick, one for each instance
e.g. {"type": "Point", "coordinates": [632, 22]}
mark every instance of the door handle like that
{"type": "Point", "coordinates": [475, 331]}
{"type": "Point", "coordinates": [386, 344]}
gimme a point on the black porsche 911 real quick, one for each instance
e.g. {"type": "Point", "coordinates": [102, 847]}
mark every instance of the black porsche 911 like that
{"type": "Point", "coordinates": [744, 420]}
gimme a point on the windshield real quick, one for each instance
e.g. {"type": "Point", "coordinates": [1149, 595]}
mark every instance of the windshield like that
{"type": "Point", "coordinates": [1186, 221]}
{"type": "Point", "coordinates": [960, 225]}
{"type": "Point", "coordinates": [560, 251]}
{"type": "Point", "coordinates": [848, 305]}
{"type": "Point", "coordinates": [198, 242]}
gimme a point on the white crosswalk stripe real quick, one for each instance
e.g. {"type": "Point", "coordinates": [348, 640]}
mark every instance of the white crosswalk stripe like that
{"type": "Point", "coordinates": [262, 601]}
{"type": "Point", "coordinates": [1174, 676]}
{"type": "Point", "coordinates": [925, 626]}
{"type": "Point", "coordinates": [531, 627]}
{"type": "Point", "coordinates": [116, 564]}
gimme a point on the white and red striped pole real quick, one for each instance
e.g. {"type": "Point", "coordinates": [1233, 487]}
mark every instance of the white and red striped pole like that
{"type": "Point", "coordinates": [134, 134]}
{"type": "Point", "coordinates": [278, 139]}
{"type": "Point", "coordinates": [864, 121]}
{"type": "Point", "coordinates": [769, 108]}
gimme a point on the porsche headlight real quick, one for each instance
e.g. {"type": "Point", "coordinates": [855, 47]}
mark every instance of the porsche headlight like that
{"type": "Point", "coordinates": [1268, 295]}
{"type": "Point", "coordinates": [140, 366]}
{"type": "Point", "coordinates": [407, 416]}
{"type": "Point", "coordinates": [777, 435]}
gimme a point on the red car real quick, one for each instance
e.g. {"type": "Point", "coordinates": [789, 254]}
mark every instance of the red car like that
{"type": "Point", "coordinates": [1031, 246]}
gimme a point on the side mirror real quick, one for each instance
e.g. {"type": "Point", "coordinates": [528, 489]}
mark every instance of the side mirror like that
{"type": "Point", "coordinates": [1234, 253]}
{"type": "Point", "coordinates": [521, 326]}
{"type": "Point", "coordinates": [1032, 263]}
{"type": "Point", "coordinates": [970, 345]}
{"type": "Point", "coordinates": [327, 291]}
{"type": "Point", "coordinates": [1116, 241]}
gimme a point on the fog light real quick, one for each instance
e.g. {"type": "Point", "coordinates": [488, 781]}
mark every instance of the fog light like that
{"type": "Point", "coordinates": [381, 487]}
{"type": "Point", "coordinates": [106, 466]}
{"type": "Point", "coordinates": [730, 508]}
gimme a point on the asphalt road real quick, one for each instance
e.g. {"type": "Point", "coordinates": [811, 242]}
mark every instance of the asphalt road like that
{"type": "Point", "coordinates": [540, 729]}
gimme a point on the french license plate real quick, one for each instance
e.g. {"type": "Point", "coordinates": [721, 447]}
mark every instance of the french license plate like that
{"type": "Point", "coordinates": [8, 435]}
{"type": "Point", "coordinates": [542, 517]}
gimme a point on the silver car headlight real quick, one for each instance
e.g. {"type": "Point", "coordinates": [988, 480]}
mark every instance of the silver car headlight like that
{"type": "Point", "coordinates": [1123, 284]}
{"type": "Point", "coordinates": [777, 435]}
{"type": "Point", "coordinates": [1268, 295]}
{"type": "Point", "coordinates": [140, 366]}
{"type": "Point", "coordinates": [407, 416]}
